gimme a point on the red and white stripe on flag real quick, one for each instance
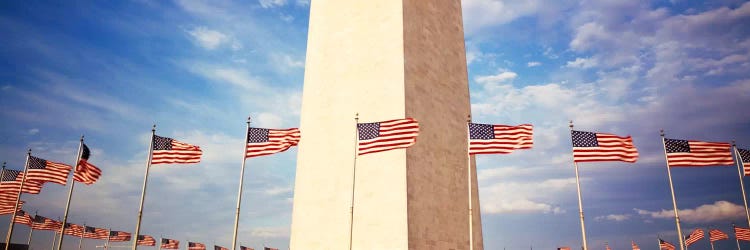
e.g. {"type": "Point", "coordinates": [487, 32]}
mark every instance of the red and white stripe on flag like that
{"type": "Point", "coordinates": [261, 141]}
{"type": "Point", "coordinates": [716, 234]}
{"type": "Point", "coordinates": [387, 135]}
{"type": "Point", "coordinates": [685, 153]}
{"type": "Point", "coordinates": [499, 139]}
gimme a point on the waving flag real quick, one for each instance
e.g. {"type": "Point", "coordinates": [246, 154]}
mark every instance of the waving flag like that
{"type": "Point", "coordinates": [44, 223]}
{"type": "Point", "coordinates": [606, 246]}
{"type": "Point", "coordinates": [221, 248]}
{"type": "Point", "coordinates": [270, 248]}
{"type": "Point", "coordinates": [119, 236]}
{"type": "Point", "coordinates": [168, 150]}
{"type": "Point", "coordinates": [589, 146]}
{"type": "Point", "coordinates": [7, 208]}
{"type": "Point", "coordinates": [41, 171]}
{"type": "Point", "coordinates": [95, 233]}
{"type": "Point", "coordinates": [742, 233]}
{"type": "Point", "coordinates": [86, 172]}
{"type": "Point", "coordinates": [387, 135]}
{"type": "Point", "coordinates": [635, 246]}
{"type": "Point", "coordinates": [745, 159]}
{"type": "Point", "coordinates": [563, 248]}
{"type": "Point", "coordinates": [196, 246]}
{"type": "Point", "coordinates": [665, 245]}
{"type": "Point", "coordinates": [499, 139]}
{"type": "Point", "coordinates": [145, 240]}
{"type": "Point", "coordinates": [683, 153]}
{"type": "Point", "coordinates": [11, 182]}
{"type": "Point", "coordinates": [716, 235]}
{"type": "Point", "coordinates": [73, 229]}
{"type": "Point", "coordinates": [694, 236]}
{"type": "Point", "coordinates": [246, 248]}
{"type": "Point", "coordinates": [261, 141]}
{"type": "Point", "coordinates": [170, 244]}
{"type": "Point", "coordinates": [22, 217]}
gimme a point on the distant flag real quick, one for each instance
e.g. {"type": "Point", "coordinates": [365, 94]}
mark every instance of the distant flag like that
{"type": "Point", "coordinates": [73, 229]}
{"type": "Point", "coordinates": [119, 236]}
{"type": "Point", "coordinates": [683, 153]}
{"type": "Point", "coordinates": [95, 233]}
{"type": "Point", "coordinates": [606, 246]}
{"type": "Point", "coordinates": [41, 171]}
{"type": "Point", "coordinates": [246, 248]}
{"type": "Point", "coordinates": [270, 248]}
{"type": "Point", "coordinates": [694, 236]}
{"type": "Point", "coordinates": [220, 248]}
{"type": "Point", "coordinates": [665, 245]}
{"type": "Point", "coordinates": [170, 244]}
{"type": "Point", "coordinates": [22, 217]}
{"type": "Point", "coordinates": [168, 150]}
{"type": "Point", "coordinates": [11, 182]}
{"type": "Point", "coordinates": [44, 223]}
{"type": "Point", "coordinates": [387, 135]}
{"type": "Point", "coordinates": [635, 246]}
{"type": "Point", "coordinates": [742, 233]}
{"type": "Point", "coordinates": [196, 246]}
{"type": "Point", "coordinates": [563, 248]}
{"type": "Point", "coordinates": [7, 208]}
{"type": "Point", "coordinates": [261, 141]}
{"type": "Point", "coordinates": [86, 172]}
{"type": "Point", "coordinates": [589, 146]}
{"type": "Point", "coordinates": [499, 139]}
{"type": "Point", "coordinates": [716, 235]}
{"type": "Point", "coordinates": [745, 159]}
{"type": "Point", "coordinates": [145, 240]}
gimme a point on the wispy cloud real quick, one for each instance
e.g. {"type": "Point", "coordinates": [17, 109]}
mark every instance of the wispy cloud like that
{"type": "Point", "coordinates": [716, 212]}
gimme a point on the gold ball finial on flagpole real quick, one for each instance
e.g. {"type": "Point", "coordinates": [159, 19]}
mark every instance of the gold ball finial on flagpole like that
{"type": "Point", "coordinates": [249, 119]}
{"type": "Point", "coordinates": [661, 132]}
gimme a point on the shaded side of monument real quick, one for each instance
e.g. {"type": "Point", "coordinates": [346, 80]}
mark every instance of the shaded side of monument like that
{"type": "Point", "coordinates": [385, 60]}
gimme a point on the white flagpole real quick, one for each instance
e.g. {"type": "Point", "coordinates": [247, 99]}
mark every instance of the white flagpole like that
{"type": "Point", "coordinates": [80, 242]}
{"type": "Point", "coordinates": [31, 229]}
{"type": "Point", "coordinates": [239, 193]}
{"type": "Point", "coordinates": [70, 192]}
{"type": "Point", "coordinates": [354, 178]}
{"type": "Point", "coordinates": [709, 239]}
{"type": "Point", "coordinates": [145, 181]}
{"type": "Point", "coordinates": [740, 167]}
{"type": "Point", "coordinates": [735, 237]}
{"type": "Point", "coordinates": [580, 203]}
{"type": "Point", "coordinates": [54, 239]}
{"type": "Point", "coordinates": [18, 199]}
{"type": "Point", "coordinates": [671, 188]}
{"type": "Point", "coordinates": [468, 160]}
{"type": "Point", "coordinates": [109, 234]}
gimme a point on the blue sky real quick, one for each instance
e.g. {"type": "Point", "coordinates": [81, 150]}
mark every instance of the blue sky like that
{"type": "Point", "coordinates": [109, 70]}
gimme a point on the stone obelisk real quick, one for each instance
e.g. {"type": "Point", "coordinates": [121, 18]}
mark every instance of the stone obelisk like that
{"type": "Point", "coordinates": [385, 59]}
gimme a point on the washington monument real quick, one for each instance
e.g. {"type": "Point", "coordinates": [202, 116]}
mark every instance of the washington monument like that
{"type": "Point", "coordinates": [385, 59]}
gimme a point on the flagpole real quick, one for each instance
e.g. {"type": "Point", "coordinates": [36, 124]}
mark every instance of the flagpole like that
{"type": "Point", "coordinates": [468, 160]}
{"type": "Point", "coordinates": [580, 203]}
{"type": "Point", "coordinates": [18, 199]}
{"type": "Point", "coordinates": [354, 178]}
{"type": "Point", "coordinates": [31, 229]}
{"type": "Point", "coordinates": [239, 193]}
{"type": "Point", "coordinates": [54, 240]}
{"type": "Point", "coordinates": [145, 180]}
{"type": "Point", "coordinates": [70, 193]}
{"type": "Point", "coordinates": [80, 242]}
{"type": "Point", "coordinates": [740, 167]}
{"type": "Point", "coordinates": [160, 241]}
{"type": "Point", "coordinates": [109, 234]}
{"type": "Point", "coordinates": [671, 188]}
{"type": "Point", "coordinates": [709, 238]}
{"type": "Point", "coordinates": [735, 236]}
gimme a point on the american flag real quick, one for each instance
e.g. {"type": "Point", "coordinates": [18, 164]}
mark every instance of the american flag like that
{"type": "Point", "coordinates": [665, 245]}
{"type": "Point", "coordinates": [499, 139]}
{"type": "Point", "coordinates": [170, 244]}
{"type": "Point", "coordinates": [168, 150]}
{"type": "Point", "coordinates": [742, 233]}
{"type": "Point", "coordinates": [635, 246]}
{"type": "Point", "coordinates": [261, 141]}
{"type": "Point", "coordinates": [95, 233]}
{"type": "Point", "coordinates": [7, 208]}
{"type": "Point", "coordinates": [270, 248]}
{"type": "Point", "coordinates": [246, 248]}
{"type": "Point", "coordinates": [22, 217]}
{"type": "Point", "coordinates": [12, 180]}
{"type": "Point", "coordinates": [145, 240]}
{"type": "Point", "coordinates": [86, 172]}
{"type": "Point", "coordinates": [590, 146]}
{"type": "Point", "coordinates": [387, 135]}
{"type": "Point", "coordinates": [745, 159]}
{"type": "Point", "coordinates": [44, 223]}
{"type": "Point", "coordinates": [41, 170]}
{"type": "Point", "coordinates": [684, 153]}
{"type": "Point", "coordinates": [694, 236]}
{"type": "Point", "coordinates": [220, 248]}
{"type": "Point", "coordinates": [716, 235]}
{"type": "Point", "coordinates": [118, 236]}
{"type": "Point", "coordinates": [196, 246]}
{"type": "Point", "coordinates": [73, 229]}
{"type": "Point", "coordinates": [563, 248]}
{"type": "Point", "coordinates": [606, 246]}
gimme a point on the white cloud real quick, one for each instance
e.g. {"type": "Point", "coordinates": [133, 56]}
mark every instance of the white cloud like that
{"type": "Point", "coordinates": [287, 18]}
{"type": "Point", "coordinates": [719, 211]}
{"type": "Point", "coordinates": [303, 3]}
{"type": "Point", "coordinates": [613, 217]}
{"type": "Point", "coordinates": [285, 62]}
{"type": "Point", "coordinates": [479, 14]}
{"type": "Point", "coordinates": [499, 78]}
{"type": "Point", "coordinates": [207, 38]}
{"type": "Point", "coordinates": [272, 3]}
{"type": "Point", "coordinates": [520, 206]}
{"type": "Point", "coordinates": [583, 63]}
{"type": "Point", "coordinates": [33, 131]}
{"type": "Point", "coordinates": [267, 120]}
{"type": "Point", "coordinates": [533, 64]}
{"type": "Point", "coordinates": [270, 232]}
